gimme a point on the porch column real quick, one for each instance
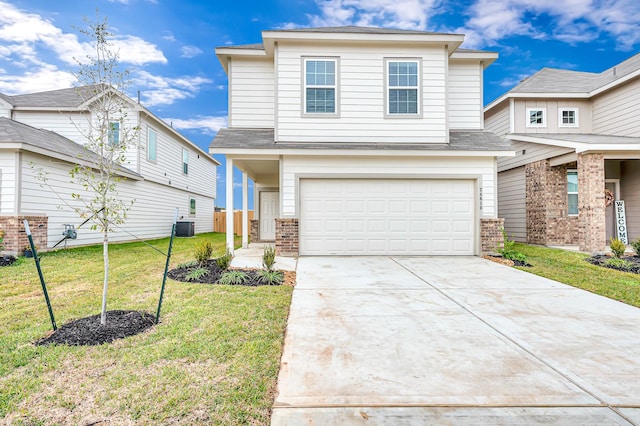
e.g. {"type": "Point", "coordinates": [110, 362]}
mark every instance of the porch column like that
{"type": "Point", "coordinates": [245, 210]}
{"type": "Point", "coordinates": [229, 204]}
{"type": "Point", "coordinates": [591, 208]}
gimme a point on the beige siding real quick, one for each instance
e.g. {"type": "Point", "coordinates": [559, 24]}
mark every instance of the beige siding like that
{"type": "Point", "coordinates": [532, 152]}
{"type": "Point", "coordinates": [7, 182]}
{"type": "Point", "coordinates": [552, 107]}
{"type": "Point", "coordinates": [481, 167]}
{"type": "Point", "coordinates": [251, 90]}
{"type": "Point", "coordinates": [512, 203]}
{"type": "Point", "coordinates": [630, 193]}
{"type": "Point", "coordinates": [618, 112]}
{"type": "Point", "coordinates": [167, 169]}
{"type": "Point", "coordinates": [465, 95]}
{"type": "Point", "coordinates": [361, 97]}
{"type": "Point", "coordinates": [498, 121]}
{"type": "Point", "coordinates": [150, 216]}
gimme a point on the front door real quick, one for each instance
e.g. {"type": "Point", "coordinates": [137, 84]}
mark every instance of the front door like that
{"type": "Point", "coordinates": [269, 211]}
{"type": "Point", "coordinates": [610, 217]}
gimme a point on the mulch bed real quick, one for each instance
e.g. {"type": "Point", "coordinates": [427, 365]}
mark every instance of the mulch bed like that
{"type": "Point", "coordinates": [88, 331]}
{"type": "Point", "coordinates": [7, 260]}
{"type": "Point", "coordinates": [180, 274]}
{"type": "Point", "coordinates": [601, 260]}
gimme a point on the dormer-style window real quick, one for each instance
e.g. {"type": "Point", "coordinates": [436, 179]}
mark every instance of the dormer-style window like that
{"type": "Point", "coordinates": [568, 117]}
{"type": "Point", "coordinates": [536, 117]}
{"type": "Point", "coordinates": [320, 86]}
{"type": "Point", "coordinates": [403, 87]}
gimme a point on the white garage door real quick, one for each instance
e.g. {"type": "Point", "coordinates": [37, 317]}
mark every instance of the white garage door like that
{"type": "Point", "coordinates": [386, 217]}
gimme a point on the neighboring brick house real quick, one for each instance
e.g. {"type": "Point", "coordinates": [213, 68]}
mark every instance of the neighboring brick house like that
{"type": "Point", "coordinates": [362, 141]}
{"type": "Point", "coordinates": [577, 139]}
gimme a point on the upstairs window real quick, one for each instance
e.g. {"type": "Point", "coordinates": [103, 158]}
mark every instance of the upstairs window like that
{"type": "Point", "coordinates": [572, 192]}
{"type": "Point", "coordinates": [152, 145]}
{"type": "Point", "coordinates": [185, 161]}
{"type": "Point", "coordinates": [320, 86]}
{"type": "Point", "coordinates": [403, 87]}
{"type": "Point", "coordinates": [536, 117]}
{"type": "Point", "coordinates": [568, 117]}
{"type": "Point", "coordinates": [114, 133]}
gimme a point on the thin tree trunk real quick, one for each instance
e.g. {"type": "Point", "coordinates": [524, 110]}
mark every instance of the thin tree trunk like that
{"type": "Point", "coordinates": [105, 254]}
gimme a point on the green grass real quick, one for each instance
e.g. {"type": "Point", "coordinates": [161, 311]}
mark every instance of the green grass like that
{"type": "Point", "coordinates": [571, 268]}
{"type": "Point", "coordinates": [213, 358]}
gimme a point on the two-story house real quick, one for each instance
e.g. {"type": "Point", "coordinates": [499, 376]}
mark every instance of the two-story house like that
{"type": "Point", "coordinates": [577, 142]}
{"type": "Point", "coordinates": [42, 135]}
{"type": "Point", "coordinates": [362, 141]}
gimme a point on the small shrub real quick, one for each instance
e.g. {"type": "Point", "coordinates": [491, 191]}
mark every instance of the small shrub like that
{"type": "Point", "coordinates": [196, 274]}
{"type": "Point", "coordinates": [203, 251]}
{"type": "Point", "coordinates": [617, 247]}
{"type": "Point", "coordinates": [270, 277]}
{"type": "Point", "coordinates": [636, 246]}
{"type": "Point", "coordinates": [1, 240]}
{"type": "Point", "coordinates": [617, 263]}
{"type": "Point", "coordinates": [186, 265]}
{"type": "Point", "coordinates": [224, 260]}
{"type": "Point", "coordinates": [233, 278]}
{"type": "Point", "coordinates": [268, 258]}
{"type": "Point", "coordinates": [508, 251]}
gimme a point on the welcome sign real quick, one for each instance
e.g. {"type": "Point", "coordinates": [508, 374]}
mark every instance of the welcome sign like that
{"type": "Point", "coordinates": [621, 221]}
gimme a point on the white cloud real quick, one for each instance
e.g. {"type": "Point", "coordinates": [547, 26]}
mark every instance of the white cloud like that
{"type": "Point", "coordinates": [162, 90]}
{"type": "Point", "coordinates": [47, 77]}
{"type": "Point", "coordinates": [404, 14]}
{"type": "Point", "coordinates": [190, 51]}
{"type": "Point", "coordinates": [206, 124]}
{"type": "Point", "coordinates": [168, 35]}
{"type": "Point", "coordinates": [572, 21]}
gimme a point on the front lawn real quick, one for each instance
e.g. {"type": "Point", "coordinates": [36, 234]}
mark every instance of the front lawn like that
{"type": "Point", "coordinates": [572, 268]}
{"type": "Point", "coordinates": [213, 358]}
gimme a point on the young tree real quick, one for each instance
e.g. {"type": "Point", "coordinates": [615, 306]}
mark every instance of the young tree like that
{"type": "Point", "coordinates": [102, 85]}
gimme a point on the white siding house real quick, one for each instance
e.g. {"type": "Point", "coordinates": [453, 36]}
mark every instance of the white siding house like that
{"type": "Point", "coordinates": [577, 137]}
{"type": "Point", "coordinates": [43, 136]}
{"type": "Point", "coordinates": [362, 141]}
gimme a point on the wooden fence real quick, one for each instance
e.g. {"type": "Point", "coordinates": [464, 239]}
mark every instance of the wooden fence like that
{"type": "Point", "coordinates": [220, 221]}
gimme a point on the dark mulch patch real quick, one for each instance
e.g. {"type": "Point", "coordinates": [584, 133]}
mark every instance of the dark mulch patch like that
{"type": "Point", "coordinates": [601, 260]}
{"type": "Point", "coordinates": [7, 260]}
{"type": "Point", "coordinates": [508, 262]}
{"type": "Point", "coordinates": [213, 275]}
{"type": "Point", "coordinates": [88, 331]}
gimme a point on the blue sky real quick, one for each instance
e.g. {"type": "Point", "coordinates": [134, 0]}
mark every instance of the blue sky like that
{"type": "Point", "coordinates": [170, 44]}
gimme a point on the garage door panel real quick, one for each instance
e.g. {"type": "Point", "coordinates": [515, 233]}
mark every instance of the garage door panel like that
{"type": "Point", "coordinates": [386, 217]}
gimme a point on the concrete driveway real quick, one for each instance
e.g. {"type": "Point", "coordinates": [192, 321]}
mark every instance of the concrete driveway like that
{"type": "Point", "coordinates": [453, 340]}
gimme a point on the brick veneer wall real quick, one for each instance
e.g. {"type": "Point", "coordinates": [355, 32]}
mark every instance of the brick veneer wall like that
{"type": "Point", "coordinates": [15, 237]}
{"type": "Point", "coordinates": [548, 222]}
{"type": "Point", "coordinates": [254, 231]}
{"type": "Point", "coordinates": [287, 237]}
{"type": "Point", "coordinates": [591, 202]}
{"type": "Point", "coordinates": [491, 235]}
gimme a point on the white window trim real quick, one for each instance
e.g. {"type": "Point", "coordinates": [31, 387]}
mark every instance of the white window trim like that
{"type": "Point", "coordinates": [544, 117]}
{"type": "Point", "coordinates": [195, 203]}
{"type": "Point", "coordinates": [387, 114]}
{"type": "Point", "coordinates": [561, 124]}
{"type": "Point", "coordinates": [572, 193]}
{"type": "Point", "coordinates": [116, 133]}
{"type": "Point", "coordinates": [336, 87]}
{"type": "Point", "coordinates": [182, 162]}
{"type": "Point", "coordinates": [149, 130]}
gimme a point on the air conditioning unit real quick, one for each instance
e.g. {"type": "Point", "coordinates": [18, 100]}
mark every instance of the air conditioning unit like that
{"type": "Point", "coordinates": [185, 229]}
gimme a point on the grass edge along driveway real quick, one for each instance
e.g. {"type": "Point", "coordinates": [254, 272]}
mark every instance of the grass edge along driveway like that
{"type": "Point", "coordinates": [214, 357]}
{"type": "Point", "coordinates": [571, 268]}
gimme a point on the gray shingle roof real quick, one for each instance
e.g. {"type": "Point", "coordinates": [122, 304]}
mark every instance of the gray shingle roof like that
{"type": "Point", "coordinates": [12, 131]}
{"type": "Point", "coordinates": [587, 138]}
{"type": "Point", "coordinates": [263, 139]}
{"type": "Point", "coordinates": [552, 80]}
{"type": "Point", "coordinates": [62, 98]}
{"type": "Point", "coordinates": [253, 46]}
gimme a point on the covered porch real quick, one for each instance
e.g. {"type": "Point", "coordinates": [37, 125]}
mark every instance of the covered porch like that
{"type": "Point", "coordinates": [264, 171]}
